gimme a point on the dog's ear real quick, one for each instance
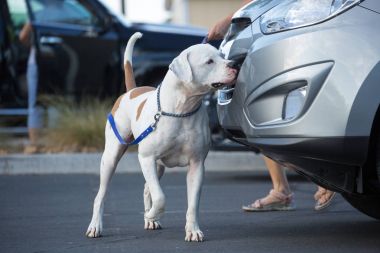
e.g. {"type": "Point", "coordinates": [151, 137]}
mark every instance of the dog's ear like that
{"type": "Point", "coordinates": [181, 67]}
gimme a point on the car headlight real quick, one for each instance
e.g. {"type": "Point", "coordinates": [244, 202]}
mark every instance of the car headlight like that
{"type": "Point", "coordinates": [293, 14]}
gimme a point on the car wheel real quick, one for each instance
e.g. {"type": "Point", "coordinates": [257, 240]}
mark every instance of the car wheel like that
{"type": "Point", "coordinates": [369, 204]}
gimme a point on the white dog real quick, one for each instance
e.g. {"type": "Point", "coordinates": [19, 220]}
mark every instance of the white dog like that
{"type": "Point", "coordinates": [176, 140]}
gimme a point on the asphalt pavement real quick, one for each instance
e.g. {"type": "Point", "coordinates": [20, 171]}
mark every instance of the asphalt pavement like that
{"type": "Point", "coordinates": [88, 163]}
{"type": "Point", "coordinates": [50, 213]}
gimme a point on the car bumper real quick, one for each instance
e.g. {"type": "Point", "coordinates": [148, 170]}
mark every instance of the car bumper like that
{"type": "Point", "coordinates": [332, 60]}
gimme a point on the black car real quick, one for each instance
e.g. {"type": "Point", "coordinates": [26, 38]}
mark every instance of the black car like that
{"type": "Point", "coordinates": [79, 49]}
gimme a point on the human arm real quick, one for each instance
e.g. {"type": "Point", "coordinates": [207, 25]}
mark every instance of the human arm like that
{"type": "Point", "coordinates": [218, 31]}
{"type": "Point", "coordinates": [25, 34]}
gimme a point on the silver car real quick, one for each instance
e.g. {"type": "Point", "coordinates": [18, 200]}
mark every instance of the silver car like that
{"type": "Point", "coordinates": [308, 91]}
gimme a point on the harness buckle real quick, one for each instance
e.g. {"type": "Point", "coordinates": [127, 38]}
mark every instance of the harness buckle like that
{"type": "Point", "coordinates": [157, 117]}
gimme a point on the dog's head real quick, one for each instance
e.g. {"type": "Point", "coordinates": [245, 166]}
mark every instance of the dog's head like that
{"type": "Point", "coordinates": [202, 67]}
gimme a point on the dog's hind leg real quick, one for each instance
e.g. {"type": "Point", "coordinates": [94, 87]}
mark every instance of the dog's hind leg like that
{"type": "Point", "coordinates": [194, 180]}
{"type": "Point", "coordinates": [113, 151]}
{"type": "Point", "coordinates": [151, 225]}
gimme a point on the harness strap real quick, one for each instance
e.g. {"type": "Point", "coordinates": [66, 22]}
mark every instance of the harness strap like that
{"type": "Point", "coordinates": [136, 141]}
{"type": "Point", "coordinates": [152, 127]}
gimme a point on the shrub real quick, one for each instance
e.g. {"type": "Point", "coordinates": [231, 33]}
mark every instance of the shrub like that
{"type": "Point", "coordinates": [77, 126]}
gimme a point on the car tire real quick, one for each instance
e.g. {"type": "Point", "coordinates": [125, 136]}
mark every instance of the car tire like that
{"type": "Point", "coordinates": [369, 204]}
{"type": "Point", "coordinates": [377, 154]}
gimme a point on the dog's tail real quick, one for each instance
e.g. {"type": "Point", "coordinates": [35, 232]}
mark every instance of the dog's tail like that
{"type": "Point", "coordinates": [130, 82]}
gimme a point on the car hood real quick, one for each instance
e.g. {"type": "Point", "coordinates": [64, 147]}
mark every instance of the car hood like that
{"type": "Point", "coordinates": [159, 37]}
{"type": "Point", "coordinates": [373, 5]}
{"type": "Point", "coordinates": [237, 46]}
{"type": "Point", "coordinates": [255, 9]}
{"type": "Point", "coordinates": [168, 28]}
{"type": "Point", "coordinates": [165, 37]}
{"type": "Point", "coordinates": [160, 28]}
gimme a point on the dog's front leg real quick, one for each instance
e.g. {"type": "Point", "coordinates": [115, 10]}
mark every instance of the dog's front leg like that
{"type": "Point", "coordinates": [194, 186]}
{"type": "Point", "coordinates": [151, 217]}
{"type": "Point", "coordinates": [148, 202]}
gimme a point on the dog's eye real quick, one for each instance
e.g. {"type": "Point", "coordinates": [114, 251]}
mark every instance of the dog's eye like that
{"type": "Point", "coordinates": [210, 61]}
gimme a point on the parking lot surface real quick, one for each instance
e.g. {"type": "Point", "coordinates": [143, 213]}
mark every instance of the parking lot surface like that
{"type": "Point", "coordinates": [50, 213]}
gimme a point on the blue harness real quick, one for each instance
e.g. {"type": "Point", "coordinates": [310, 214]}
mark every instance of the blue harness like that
{"type": "Point", "coordinates": [152, 127]}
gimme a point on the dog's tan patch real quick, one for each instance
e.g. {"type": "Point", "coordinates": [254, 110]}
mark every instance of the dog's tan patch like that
{"type": "Point", "coordinates": [129, 76]}
{"type": "Point", "coordinates": [140, 90]}
{"type": "Point", "coordinates": [116, 105]}
{"type": "Point", "coordinates": [139, 109]}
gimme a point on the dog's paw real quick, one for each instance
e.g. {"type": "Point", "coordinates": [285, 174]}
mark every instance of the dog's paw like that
{"type": "Point", "coordinates": [194, 236]}
{"type": "Point", "coordinates": [94, 230]}
{"type": "Point", "coordinates": [152, 225]}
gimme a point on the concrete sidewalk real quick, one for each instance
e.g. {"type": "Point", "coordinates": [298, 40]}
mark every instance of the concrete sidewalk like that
{"type": "Point", "coordinates": [18, 164]}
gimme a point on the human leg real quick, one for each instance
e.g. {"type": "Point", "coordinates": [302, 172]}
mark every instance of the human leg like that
{"type": "Point", "coordinates": [280, 197]}
{"type": "Point", "coordinates": [278, 176]}
{"type": "Point", "coordinates": [34, 113]}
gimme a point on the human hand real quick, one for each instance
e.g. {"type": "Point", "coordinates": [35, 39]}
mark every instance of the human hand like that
{"type": "Point", "coordinates": [220, 29]}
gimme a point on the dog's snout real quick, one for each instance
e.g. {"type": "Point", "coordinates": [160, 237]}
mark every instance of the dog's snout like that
{"type": "Point", "coordinates": [233, 65]}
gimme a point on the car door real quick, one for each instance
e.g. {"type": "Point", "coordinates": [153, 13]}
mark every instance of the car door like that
{"type": "Point", "coordinates": [78, 49]}
{"type": "Point", "coordinates": [13, 55]}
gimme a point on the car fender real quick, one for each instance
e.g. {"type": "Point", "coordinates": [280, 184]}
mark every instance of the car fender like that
{"type": "Point", "coordinates": [364, 109]}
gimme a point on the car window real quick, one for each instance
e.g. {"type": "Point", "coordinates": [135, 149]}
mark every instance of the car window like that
{"type": "Point", "coordinates": [18, 12]}
{"type": "Point", "coordinates": [63, 11]}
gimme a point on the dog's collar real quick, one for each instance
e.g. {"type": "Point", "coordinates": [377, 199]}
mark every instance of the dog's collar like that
{"type": "Point", "coordinates": [175, 115]}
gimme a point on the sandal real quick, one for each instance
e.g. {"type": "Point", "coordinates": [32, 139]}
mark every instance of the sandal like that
{"type": "Point", "coordinates": [323, 202]}
{"type": "Point", "coordinates": [275, 201]}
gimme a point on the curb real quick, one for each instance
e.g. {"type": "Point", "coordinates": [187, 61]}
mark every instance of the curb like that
{"type": "Point", "coordinates": [21, 164]}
